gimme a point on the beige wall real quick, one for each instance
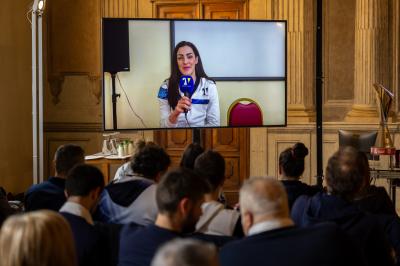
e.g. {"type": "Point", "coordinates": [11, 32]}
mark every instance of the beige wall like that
{"type": "Point", "coordinates": [15, 102]}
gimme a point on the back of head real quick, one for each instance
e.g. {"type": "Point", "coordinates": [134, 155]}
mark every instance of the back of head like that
{"type": "Point", "coordinates": [186, 252]}
{"type": "Point", "coordinates": [346, 172]}
{"type": "Point", "coordinates": [67, 156]}
{"type": "Point", "coordinates": [211, 166]}
{"type": "Point", "coordinates": [264, 196]}
{"type": "Point", "coordinates": [190, 154]}
{"type": "Point", "coordinates": [291, 160]}
{"type": "Point", "coordinates": [37, 238]}
{"type": "Point", "coordinates": [150, 160]}
{"type": "Point", "coordinates": [176, 185]}
{"type": "Point", "coordinates": [82, 179]}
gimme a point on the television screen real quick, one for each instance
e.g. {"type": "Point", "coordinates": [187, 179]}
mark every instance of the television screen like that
{"type": "Point", "coordinates": [193, 73]}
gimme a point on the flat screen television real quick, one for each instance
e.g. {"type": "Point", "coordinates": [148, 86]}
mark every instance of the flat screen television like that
{"type": "Point", "coordinates": [242, 81]}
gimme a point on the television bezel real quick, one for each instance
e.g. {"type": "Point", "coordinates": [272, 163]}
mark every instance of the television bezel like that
{"type": "Point", "coordinates": [172, 43]}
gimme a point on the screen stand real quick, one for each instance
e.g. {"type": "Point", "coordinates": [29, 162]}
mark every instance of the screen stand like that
{"type": "Point", "coordinates": [196, 135]}
{"type": "Point", "coordinates": [114, 101]}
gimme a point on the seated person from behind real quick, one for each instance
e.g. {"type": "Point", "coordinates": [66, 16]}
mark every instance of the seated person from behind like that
{"type": "Point", "coordinates": [215, 220]}
{"type": "Point", "coordinates": [125, 170]}
{"type": "Point", "coordinates": [192, 151]}
{"type": "Point", "coordinates": [291, 167]}
{"type": "Point", "coordinates": [50, 193]}
{"type": "Point", "coordinates": [132, 198]}
{"type": "Point", "coordinates": [180, 194]}
{"type": "Point", "coordinates": [83, 187]}
{"type": "Point", "coordinates": [272, 239]}
{"type": "Point", "coordinates": [37, 238]}
{"type": "Point", "coordinates": [186, 252]}
{"type": "Point", "coordinates": [372, 198]}
{"type": "Point", "coordinates": [344, 178]}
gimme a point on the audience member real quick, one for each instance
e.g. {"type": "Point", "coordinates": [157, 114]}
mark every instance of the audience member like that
{"type": "Point", "coordinates": [186, 252]}
{"type": "Point", "coordinates": [216, 220]}
{"type": "Point", "coordinates": [132, 199]}
{"type": "Point", "coordinates": [345, 178]}
{"type": "Point", "coordinates": [372, 198]}
{"type": "Point", "coordinates": [272, 238]}
{"type": "Point", "coordinates": [5, 208]}
{"type": "Point", "coordinates": [179, 197]}
{"type": "Point", "coordinates": [126, 170]}
{"type": "Point", "coordinates": [192, 151]}
{"type": "Point", "coordinates": [83, 187]}
{"type": "Point", "coordinates": [50, 193]}
{"type": "Point", "coordinates": [375, 200]}
{"type": "Point", "coordinates": [291, 168]}
{"type": "Point", "coordinates": [37, 238]}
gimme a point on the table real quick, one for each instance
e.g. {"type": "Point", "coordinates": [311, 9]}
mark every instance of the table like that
{"type": "Point", "coordinates": [392, 175]}
{"type": "Point", "coordinates": [104, 165]}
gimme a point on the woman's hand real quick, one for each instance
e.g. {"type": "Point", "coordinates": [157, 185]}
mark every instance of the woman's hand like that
{"type": "Point", "coordinates": [183, 104]}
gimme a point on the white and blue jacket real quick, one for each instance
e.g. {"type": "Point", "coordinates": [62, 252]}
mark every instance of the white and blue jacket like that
{"type": "Point", "coordinates": [204, 111]}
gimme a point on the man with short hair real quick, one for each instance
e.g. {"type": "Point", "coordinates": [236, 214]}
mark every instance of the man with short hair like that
{"type": "Point", "coordinates": [83, 187]}
{"type": "Point", "coordinates": [272, 238]}
{"type": "Point", "coordinates": [50, 193]}
{"type": "Point", "coordinates": [179, 197]}
{"type": "Point", "coordinates": [186, 252]}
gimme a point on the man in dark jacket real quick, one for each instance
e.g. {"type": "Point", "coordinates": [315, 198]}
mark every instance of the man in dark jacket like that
{"type": "Point", "coordinates": [273, 239]}
{"type": "Point", "coordinates": [344, 177]}
{"type": "Point", "coordinates": [83, 186]}
{"type": "Point", "coordinates": [50, 193]}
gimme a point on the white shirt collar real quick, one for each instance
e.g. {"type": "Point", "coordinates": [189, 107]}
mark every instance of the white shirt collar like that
{"type": "Point", "coordinates": [78, 210]}
{"type": "Point", "coordinates": [270, 225]}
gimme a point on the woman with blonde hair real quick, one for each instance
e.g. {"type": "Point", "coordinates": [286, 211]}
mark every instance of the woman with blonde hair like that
{"type": "Point", "coordinates": [37, 238]}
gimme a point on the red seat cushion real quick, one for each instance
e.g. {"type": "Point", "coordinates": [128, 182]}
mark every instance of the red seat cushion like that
{"type": "Point", "coordinates": [245, 115]}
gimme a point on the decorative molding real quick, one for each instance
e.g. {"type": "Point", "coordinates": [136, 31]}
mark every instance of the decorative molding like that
{"type": "Point", "coordinates": [72, 127]}
{"type": "Point", "coordinates": [96, 86]}
{"type": "Point", "coordinates": [56, 82]}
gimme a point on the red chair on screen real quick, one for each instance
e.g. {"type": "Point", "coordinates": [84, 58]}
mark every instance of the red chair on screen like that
{"type": "Point", "coordinates": [245, 112]}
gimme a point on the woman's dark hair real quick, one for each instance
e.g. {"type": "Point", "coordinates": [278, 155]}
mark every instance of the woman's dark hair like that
{"type": "Point", "coordinates": [291, 160]}
{"type": "Point", "coordinates": [346, 172]}
{"type": "Point", "coordinates": [190, 154]}
{"type": "Point", "coordinates": [150, 160]}
{"type": "Point", "coordinates": [173, 83]}
{"type": "Point", "coordinates": [210, 165]}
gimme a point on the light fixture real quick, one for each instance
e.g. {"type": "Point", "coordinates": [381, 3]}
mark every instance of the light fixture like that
{"type": "Point", "coordinates": [37, 90]}
{"type": "Point", "coordinates": [41, 5]}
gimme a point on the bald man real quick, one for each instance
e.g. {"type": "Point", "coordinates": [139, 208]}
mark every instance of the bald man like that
{"type": "Point", "coordinates": [273, 239]}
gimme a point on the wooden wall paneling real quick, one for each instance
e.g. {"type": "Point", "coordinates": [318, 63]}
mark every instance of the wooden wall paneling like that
{"type": "Point", "coordinates": [73, 42]}
{"type": "Point", "coordinates": [224, 9]}
{"type": "Point", "coordinates": [176, 9]}
{"type": "Point", "coordinates": [120, 8]}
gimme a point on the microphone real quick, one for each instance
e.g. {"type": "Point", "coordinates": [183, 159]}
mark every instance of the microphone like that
{"type": "Point", "coordinates": [186, 85]}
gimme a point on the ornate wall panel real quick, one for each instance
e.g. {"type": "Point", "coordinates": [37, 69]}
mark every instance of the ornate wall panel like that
{"type": "Point", "coordinates": [120, 8]}
{"type": "Point", "coordinates": [338, 58]}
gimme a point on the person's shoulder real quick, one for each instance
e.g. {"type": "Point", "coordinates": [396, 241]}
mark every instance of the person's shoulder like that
{"type": "Point", "coordinates": [208, 81]}
{"type": "Point", "coordinates": [163, 91]}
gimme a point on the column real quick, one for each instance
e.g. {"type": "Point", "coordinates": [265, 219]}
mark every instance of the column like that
{"type": "Point", "coordinates": [371, 58]}
{"type": "Point", "coordinates": [300, 15]}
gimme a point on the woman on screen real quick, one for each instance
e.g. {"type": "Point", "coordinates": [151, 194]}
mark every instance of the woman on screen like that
{"type": "Point", "coordinates": [197, 109]}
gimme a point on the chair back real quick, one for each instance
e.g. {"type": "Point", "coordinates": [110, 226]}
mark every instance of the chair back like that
{"type": "Point", "coordinates": [245, 112]}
